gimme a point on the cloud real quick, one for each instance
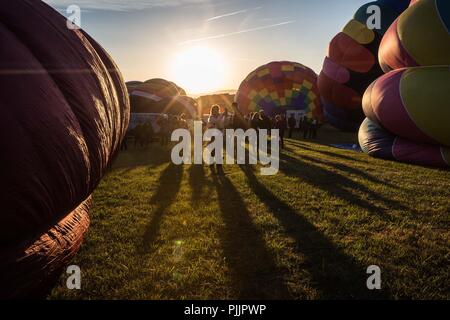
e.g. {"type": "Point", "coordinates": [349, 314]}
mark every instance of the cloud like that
{"type": "Point", "coordinates": [119, 5]}
{"type": "Point", "coordinates": [218, 36]}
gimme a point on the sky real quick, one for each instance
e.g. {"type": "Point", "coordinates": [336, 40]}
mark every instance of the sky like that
{"type": "Point", "coordinates": [210, 45]}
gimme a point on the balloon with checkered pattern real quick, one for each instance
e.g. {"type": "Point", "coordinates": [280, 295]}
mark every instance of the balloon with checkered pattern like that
{"type": "Point", "coordinates": [280, 86]}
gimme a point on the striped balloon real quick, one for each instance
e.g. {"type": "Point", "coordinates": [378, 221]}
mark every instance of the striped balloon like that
{"type": "Point", "coordinates": [411, 102]}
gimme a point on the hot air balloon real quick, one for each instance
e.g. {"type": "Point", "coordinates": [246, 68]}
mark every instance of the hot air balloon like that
{"type": "Point", "coordinates": [408, 108]}
{"type": "Point", "coordinates": [132, 85]}
{"type": "Point", "coordinates": [280, 86]}
{"type": "Point", "coordinates": [351, 64]}
{"type": "Point", "coordinates": [64, 112]}
{"type": "Point", "coordinates": [178, 105]}
{"type": "Point", "coordinates": [145, 96]}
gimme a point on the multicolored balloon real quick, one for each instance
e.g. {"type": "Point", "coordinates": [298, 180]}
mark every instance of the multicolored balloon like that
{"type": "Point", "coordinates": [280, 86]}
{"type": "Point", "coordinates": [408, 109]}
{"type": "Point", "coordinates": [351, 64]}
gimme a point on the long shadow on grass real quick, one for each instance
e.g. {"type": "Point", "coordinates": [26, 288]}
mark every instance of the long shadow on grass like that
{"type": "Point", "coordinates": [350, 170]}
{"type": "Point", "coordinates": [254, 272]}
{"type": "Point", "coordinates": [198, 183]}
{"type": "Point", "coordinates": [336, 275]}
{"type": "Point", "coordinates": [151, 156]}
{"type": "Point", "coordinates": [327, 153]}
{"type": "Point", "coordinates": [339, 186]}
{"type": "Point", "coordinates": [168, 187]}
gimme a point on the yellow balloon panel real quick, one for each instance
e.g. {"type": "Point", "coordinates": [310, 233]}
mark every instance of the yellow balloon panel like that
{"type": "Point", "coordinates": [425, 92]}
{"type": "Point", "coordinates": [359, 32]}
{"type": "Point", "coordinates": [424, 35]}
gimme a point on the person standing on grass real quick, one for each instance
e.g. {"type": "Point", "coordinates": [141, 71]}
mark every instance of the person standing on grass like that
{"type": "Point", "coordinates": [264, 121]}
{"type": "Point", "coordinates": [227, 120]}
{"type": "Point", "coordinates": [254, 120]}
{"type": "Point", "coordinates": [163, 124]}
{"type": "Point", "coordinates": [239, 121]}
{"type": "Point", "coordinates": [183, 122]}
{"type": "Point", "coordinates": [174, 124]}
{"type": "Point", "coordinates": [147, 133]}
{"type": "Point", "coordinates": [281, 124]}
{"type": "Point", "coordinates": [306, 128]}
{"type": "Point", "coordinates": [301, 125]}
{"type": "Point", "coordinates": [216, 121]}
{"type": "Point", "coordinates": [291, 125]}
{"type": "Point", "coordinates": [313, 129]}
{"type": "Point", "coordinates": [138, 135]}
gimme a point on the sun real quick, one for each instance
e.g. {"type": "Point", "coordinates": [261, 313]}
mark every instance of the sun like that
{"type": "Point", "coordinates": [198, 70]}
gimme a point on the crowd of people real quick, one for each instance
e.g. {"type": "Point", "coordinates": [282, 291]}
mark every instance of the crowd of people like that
{"type": "Point", "coordinates": [144, 133]}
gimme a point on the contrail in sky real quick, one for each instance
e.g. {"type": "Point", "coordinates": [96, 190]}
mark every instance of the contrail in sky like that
{"type": "Point", "coordinates": [236, 33]}
{"type": "Point", "coordinates": [232, 14]}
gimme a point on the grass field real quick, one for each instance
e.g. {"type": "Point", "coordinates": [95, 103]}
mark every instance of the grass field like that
{"type": "Point", "coordinates": [161, 231]}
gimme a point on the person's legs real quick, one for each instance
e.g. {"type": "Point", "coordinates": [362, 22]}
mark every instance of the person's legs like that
{"type": "Point", "coordinates": [257, 141]}
{"type": "Point", "coordinates": [219, 169]}
{"type": "Point", "coordinates": [216, 168]}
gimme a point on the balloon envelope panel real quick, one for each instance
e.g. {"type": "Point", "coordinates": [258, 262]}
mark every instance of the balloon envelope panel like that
{"type": "Point", "coordinates": [379, 143]}
{"type": "Point", "coordinates": [419, 37]}
{"type": "Point", "coordinates": [145, 97]}
{"type": "Point", "coordinates": [178, 105]}
{"type": "Point", "coordinates": [30, 268]}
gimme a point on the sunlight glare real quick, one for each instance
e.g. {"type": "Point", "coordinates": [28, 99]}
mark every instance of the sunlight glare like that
{"type": "Point", "coordinates": [198, 70]}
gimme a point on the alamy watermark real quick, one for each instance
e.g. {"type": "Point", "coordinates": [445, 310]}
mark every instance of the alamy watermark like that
{"type": "Point", "coordinates": [374, 20]}
{"type": "Point", "coordinates": [73, 281]}
{"type": "Point", "coordinates": [74, 17]}
{"type": "Point", "coordinates": [374, 280]}
{"type": "Point", "coordinates": [235, 142]}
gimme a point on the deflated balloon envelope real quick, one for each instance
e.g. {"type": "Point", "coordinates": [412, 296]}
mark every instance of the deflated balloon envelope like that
{"type": "Point", "coordinates": [64, 111]}
{"type": "Point", "coordinates": [352, 63]}
{"type": "Point", "coordinates": [412, 102]}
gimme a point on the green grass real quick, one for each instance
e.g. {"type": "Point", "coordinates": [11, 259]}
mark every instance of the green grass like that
{"type": "Point", "coordinates": [161, 231]}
